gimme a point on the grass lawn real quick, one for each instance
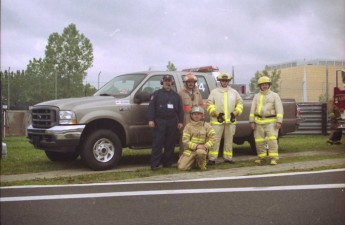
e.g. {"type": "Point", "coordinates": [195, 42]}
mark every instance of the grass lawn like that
{"type": "Point", "coordinates": [22, 157]}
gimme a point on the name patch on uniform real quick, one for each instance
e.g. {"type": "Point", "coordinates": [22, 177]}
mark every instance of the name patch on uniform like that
{"type": "Point", "coordinates": [170, 106]}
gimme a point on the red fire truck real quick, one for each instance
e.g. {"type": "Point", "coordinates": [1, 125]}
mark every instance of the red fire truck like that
{"type": "Point", "coordinates": [241, 88]}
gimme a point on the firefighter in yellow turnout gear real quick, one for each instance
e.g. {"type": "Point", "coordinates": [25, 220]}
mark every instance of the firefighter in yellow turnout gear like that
{"type": "Point", "coordinates": [198, 137]}
{"type": "Point", "coordinates": [223, 105]}
{"type": "Point", "coordinates": [266, 117]}
{"type": "Point", "coordinates": [190, 97]}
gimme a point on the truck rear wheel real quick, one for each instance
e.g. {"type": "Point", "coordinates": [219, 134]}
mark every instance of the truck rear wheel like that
{"type": "Point", "coordinates": [251, 141]}
{"type": "Point", "coordinates": [102, 150]}
{"type": "Point", "coordinates": [61, 156]}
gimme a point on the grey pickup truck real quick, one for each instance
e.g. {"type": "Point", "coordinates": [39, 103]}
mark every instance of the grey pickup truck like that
{"type": "Point", "coordinates": [98, 127]}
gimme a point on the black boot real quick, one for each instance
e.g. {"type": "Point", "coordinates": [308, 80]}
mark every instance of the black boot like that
{"type": "Point", "coordinates": [210, 162]}
{"type": "Point", "coordinates": [229, 161]}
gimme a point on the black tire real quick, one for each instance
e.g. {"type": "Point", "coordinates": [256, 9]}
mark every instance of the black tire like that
{"type": "Point", "coordinates": [221, 148]}
{"type": "Point", "coordinates": [102, 150]}
{"type": "Point", "coordinates": [251, 141]}
{"type": "Point", "coordinates": [61, 156]}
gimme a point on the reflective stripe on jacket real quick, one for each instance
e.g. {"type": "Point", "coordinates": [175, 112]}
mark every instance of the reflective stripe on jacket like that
{"type": "Point", "coordinates": [198, 133]}
{"type": "Point", "coordinates": [266, 107]}
{"type": "Point", "coordinates": [224, 100]}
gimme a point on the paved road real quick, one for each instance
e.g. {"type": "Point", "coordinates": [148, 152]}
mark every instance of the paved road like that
{"type": "Point", "coordinates": [295, 198]}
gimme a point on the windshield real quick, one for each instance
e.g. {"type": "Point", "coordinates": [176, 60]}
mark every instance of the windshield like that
{"type": "Point", "coordinates": [121, 86]}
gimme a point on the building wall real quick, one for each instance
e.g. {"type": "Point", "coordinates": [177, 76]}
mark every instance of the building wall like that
{"type": "Point", "coordinates": [292, 79]}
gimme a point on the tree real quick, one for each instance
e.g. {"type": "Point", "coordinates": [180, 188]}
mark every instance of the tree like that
{"type": "Point", "coordinates": [89, 90]}
{"type": "Point", "coordinates": [39, 83]}
{"type": "Point", "coordinates": [12, 83]}
{"type": "Point", "coordinates": [4, 86]}
{"type": "Point", "coordinates": [171, 67]}
{"type": "Point", "coordinates": [274, 75]}
{"type": "Point", "coordinates": [17, 87]}
{"type": "Point", "coordinates": [68, 57]}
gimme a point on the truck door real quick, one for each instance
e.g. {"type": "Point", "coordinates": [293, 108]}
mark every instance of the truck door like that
{"type": "Point", "coordinates": [139, 110]}
{"type": "Point", "coordinates": [204, 91]}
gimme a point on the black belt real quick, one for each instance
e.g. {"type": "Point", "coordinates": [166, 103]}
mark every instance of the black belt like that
{"type": "Point", "coordinates": [263, 117]}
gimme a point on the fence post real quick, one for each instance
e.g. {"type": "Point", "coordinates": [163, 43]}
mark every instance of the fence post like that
{"type": "Point", "coordinates": [324, 119]}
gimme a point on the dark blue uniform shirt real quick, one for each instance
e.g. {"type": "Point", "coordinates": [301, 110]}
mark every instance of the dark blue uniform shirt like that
{"type": "Point", "coordinates": [165, 105]}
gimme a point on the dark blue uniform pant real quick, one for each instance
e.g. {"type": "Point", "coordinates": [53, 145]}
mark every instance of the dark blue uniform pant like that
{"type": "Point", "coordinates": [164, 136]}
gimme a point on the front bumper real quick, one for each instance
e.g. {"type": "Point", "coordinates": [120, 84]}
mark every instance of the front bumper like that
{"type": "Point", "coordinates": [57, 138]}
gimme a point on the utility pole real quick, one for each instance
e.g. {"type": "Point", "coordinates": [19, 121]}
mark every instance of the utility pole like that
{"type": "Point", "coordinates": [305, 97]}
{"type": "Point", "coordinates": [55, 85]}
{"type": "Point", "coordinates": [327, 82]}
{"type": "Point", "coordinates": [99, 74]}
{"type": "Point", "coordinates": [233, 74]}
{"type": "Point", "coordinates": [8, 88]}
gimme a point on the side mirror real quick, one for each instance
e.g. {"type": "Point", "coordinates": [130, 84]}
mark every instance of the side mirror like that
{"type": "Point", "coordinates": [137, 98]}
{"type": "Point", "coordinates": [142, 97]}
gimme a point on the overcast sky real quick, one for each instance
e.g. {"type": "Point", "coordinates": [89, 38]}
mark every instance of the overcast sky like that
{"type": "Point", "coordinates": [135, 35]}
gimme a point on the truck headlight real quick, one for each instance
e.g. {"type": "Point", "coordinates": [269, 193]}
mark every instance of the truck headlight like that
{"type": "Point", "coordinates": [67, 117]}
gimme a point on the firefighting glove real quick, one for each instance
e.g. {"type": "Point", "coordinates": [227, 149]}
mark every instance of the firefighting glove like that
{"type": "Point", "coordinates": [236, 113]}
{"type": "Point", "coordinates": [232, 117]}
{"type": "Point", "coordinates": [220, 118]}
{"type": "Point", "coordinates": [214, 113]}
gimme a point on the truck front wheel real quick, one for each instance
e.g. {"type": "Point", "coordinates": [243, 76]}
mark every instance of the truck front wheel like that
{"type": "Point", "coordinates": [102, 150]}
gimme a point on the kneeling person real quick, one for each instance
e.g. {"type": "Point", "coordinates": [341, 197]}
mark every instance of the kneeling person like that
{"type": "Point", "coordinates": [198, 137]}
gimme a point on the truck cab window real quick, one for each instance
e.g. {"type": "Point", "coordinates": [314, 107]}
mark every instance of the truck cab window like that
{"type": "Point", "coordinates": [121, 86]}
{"type": "Point", "coordinates": [155, 83]}
{"type": "Point", "coordinates": [203, 87]}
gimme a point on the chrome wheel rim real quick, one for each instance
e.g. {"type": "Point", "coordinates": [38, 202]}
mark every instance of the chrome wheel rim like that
{"type": "Point", "coordinates": [103, 150]}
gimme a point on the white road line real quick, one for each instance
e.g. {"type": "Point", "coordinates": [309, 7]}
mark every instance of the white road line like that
{"type": "Point", "coordinates": [172, 192]}
{"type": "Point", "coordinates": [176, 181]}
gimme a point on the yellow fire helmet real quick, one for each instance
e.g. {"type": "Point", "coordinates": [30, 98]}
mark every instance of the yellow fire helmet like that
{"type": "Point", "coordinates": [224, 76]}
{"type": "Point", "coordinates": [263, 80]}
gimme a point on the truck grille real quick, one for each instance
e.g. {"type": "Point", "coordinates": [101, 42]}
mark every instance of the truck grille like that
{"type": "Point", "coordinates": [44, 117]}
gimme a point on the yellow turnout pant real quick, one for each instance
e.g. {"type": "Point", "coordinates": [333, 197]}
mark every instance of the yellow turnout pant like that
{"type": "Point", "coordinates": [189, 159]}
{"type": "Point", "coordinates": [261, 133]}
{"type": "Point", "coordinates": [229, 131]}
